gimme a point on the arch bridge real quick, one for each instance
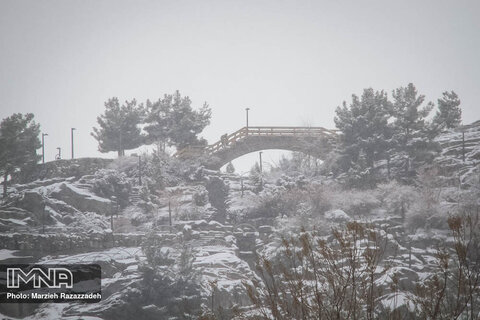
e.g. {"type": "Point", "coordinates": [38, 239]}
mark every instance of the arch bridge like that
{"type": "Point", "coordinates": [314, 141]}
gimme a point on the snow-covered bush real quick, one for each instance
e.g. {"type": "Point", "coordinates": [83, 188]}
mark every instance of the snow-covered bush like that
{"type": "Point", "coordinates": [290, 183]}
{"type": "Point", "coordinates": [396, 197]}
{"type": "Point", "coordinates": [256, 178]}
{"type": "Point", "coordinates": [161, 170]}
{"type": "Point", "coordinates": [169, 287]}
{"type": "Point", "coordinates": [218, 196]}
{"type": "Point", "coordinates": [108, 183]}
{"type": "Point", "coordinates": [200, 197]}
{"type": "Point", "coordinates": [278, 204]}
{"type": "Point", "coordinates": [355, 202]}
{"type": "Point", "coordinates": [425, 211]}
{"type": "Point", "coordinates": [146, 199]}
{"type": "Point", "coordinates": [320, 198]}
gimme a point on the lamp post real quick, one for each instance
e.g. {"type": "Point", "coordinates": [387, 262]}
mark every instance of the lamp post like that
{"type": "Point", "coordinates": [246, 109]}
{"type": "Point", "coordinates": [261, 167]}
{"type": "Point", "coordinates": [139, 170]}
{"type": "Point", "coordinates": [43, 146]}
{"type": "Point", "coordinates": [71, 134]}
{"type": "Point", "coordinates": [242, 188]}
{"type": "Point", "coordinates": [261, 170]}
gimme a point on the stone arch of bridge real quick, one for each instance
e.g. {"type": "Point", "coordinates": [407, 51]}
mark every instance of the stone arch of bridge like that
{"type": "Point", "coordinates": [314, 141]}
{"type": "Point", "coordinates": [313, 146]}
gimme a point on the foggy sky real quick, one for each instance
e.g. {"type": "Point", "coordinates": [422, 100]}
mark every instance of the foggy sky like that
{"type": "Point", "coordinates": [290, 62]}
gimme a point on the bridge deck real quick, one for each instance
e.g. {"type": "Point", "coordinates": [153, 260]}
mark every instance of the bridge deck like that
{"type": "Point", "coordinates": [245, 132]}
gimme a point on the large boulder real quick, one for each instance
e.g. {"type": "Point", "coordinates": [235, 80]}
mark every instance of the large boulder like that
{"type": "Point", "coordinates": [83, 200]}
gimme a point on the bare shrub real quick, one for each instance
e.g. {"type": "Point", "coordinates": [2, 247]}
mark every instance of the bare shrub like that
{"type": "Point", "coordinates": [316, 279]}
{"type": "Point", "coordinates": [453, 290]}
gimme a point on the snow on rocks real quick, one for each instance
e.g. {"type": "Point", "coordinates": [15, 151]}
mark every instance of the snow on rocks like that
{"type": "Point", "coordinates": [82, 199]}
{"type": "Point", "coordinates": [337, 215]}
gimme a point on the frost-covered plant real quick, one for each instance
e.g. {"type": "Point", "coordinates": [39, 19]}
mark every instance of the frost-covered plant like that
{"type": "Point", "coordinates": [319, 198]}
{"type": "Point", "coordinates": [108, 183]}
{"type": "Point", "coordinates": [396, 197]}
{"type": "Point", "coordinates": [160, 170]}
{"type": "Point", "coordinates": [146, 199]}
{"type": "Point", "coordinates": [194, 213]}
{"type": "Point", "coordinates": [256, 177]}
{"type": "Point", "coordinates": [278, 204]}
{"type": "Point", "coordinates": [425, 211]}
{"type": "Point", "coordinates": [452, 291]}
{"type": "Point", "coordinates": [355, 202]}
{"type": "Point", "coordinates": [170, 286]}
{"type": "Point", "coordinates": [218, 196]}
{"type": "Point", "coordinates": [200, 197]}
{"type": "Point", "coordinates": [312, 278]}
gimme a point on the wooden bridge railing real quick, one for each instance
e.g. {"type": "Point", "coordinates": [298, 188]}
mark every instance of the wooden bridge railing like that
{"type": "Point", "coordinates": [228, 140]}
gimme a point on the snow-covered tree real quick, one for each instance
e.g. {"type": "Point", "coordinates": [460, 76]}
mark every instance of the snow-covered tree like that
{"type": "Point", "coordinates": [218, 197]}
{"type": "Point", "coordinates": [365, 130]}
{"type": "Point", "coordinates": [172, 120]}
{"type": "Point", "coordinates": [119, 127]}
{"type": "Point", "coordinates": [18, 144]}
{"type": "Point", "coordinates": [230, 168]}
{"type": "Point", "coordinates": [449, 114]}
{"type": "Point", "coordinates": [412, 137]}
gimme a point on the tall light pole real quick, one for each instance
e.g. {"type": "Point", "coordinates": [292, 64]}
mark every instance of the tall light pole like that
{"type": "Point", "coordinates": [139, 170]}
{"type": "Point", "coordinates": [43, 146]}
{"type": "Point", "coordinates": [261, 170]}
{"type": "Point", "coordinates": [72, 141]}
{"type": "Point", "coordinates": [261, 167]}
{"type": "Point", "coordinates": [246, 109]}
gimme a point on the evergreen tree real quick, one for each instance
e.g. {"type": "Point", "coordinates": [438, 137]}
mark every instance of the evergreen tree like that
{"type": "Point", "coordinates": [218, 197]}
{"type": "Point", "coordinates": [18, 144]}
{"type": "Point", "coordinates": [119, 127]}
{"type": "Point", "coordinates": [173, 121]}
{"type": "Point", "coordinates": [230, 168]}
{"type": "Point", "coordinates": [256, 177]}
{"type": "Point", "coordinates": [365, 132]}
{"type": "Point", "coordinates": [413, 137]}
{"type": "Point", "coordinates": [449, 114]}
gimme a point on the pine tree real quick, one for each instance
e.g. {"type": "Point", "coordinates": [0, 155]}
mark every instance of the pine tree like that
{"type": "Point", "coordinates": [230, 168]}
{"type": "Point", "coordinates": [173, 121]}
{"type": "Point", "coordinates": [218, 197]}
{"type": "Point", "coordinates": [119, 127]}
{"type": "Point", "coordinates": [18, 144]}
{"type": "Point", "coordinates": [449, 114]}
{"type": "Point", "coordinates": [412, 137]}
{"type": "Point", "coordinates": [365, 131]}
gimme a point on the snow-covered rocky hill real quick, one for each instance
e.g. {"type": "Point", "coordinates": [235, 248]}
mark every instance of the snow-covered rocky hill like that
{"type": "Point", "coordinates": [186, 242]}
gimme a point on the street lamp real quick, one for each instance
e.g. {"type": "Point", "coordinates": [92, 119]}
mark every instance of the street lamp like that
{"type": "Point", "coordinates": [246, 109]}
{"type": "Point", "coordinates": [139, 170]}
{"type": "Point", "coordinates": [241, 182]}
{"type": "Point", "coordinates": [43, 146]}
{"type": "Point", "coordinates": [261, 169]}
{"type": "Point", "coordinates": [72, 141]}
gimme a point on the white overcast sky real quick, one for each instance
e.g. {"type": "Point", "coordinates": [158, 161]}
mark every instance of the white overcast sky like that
{"type": "Point", "coordinates": [291, 62]}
